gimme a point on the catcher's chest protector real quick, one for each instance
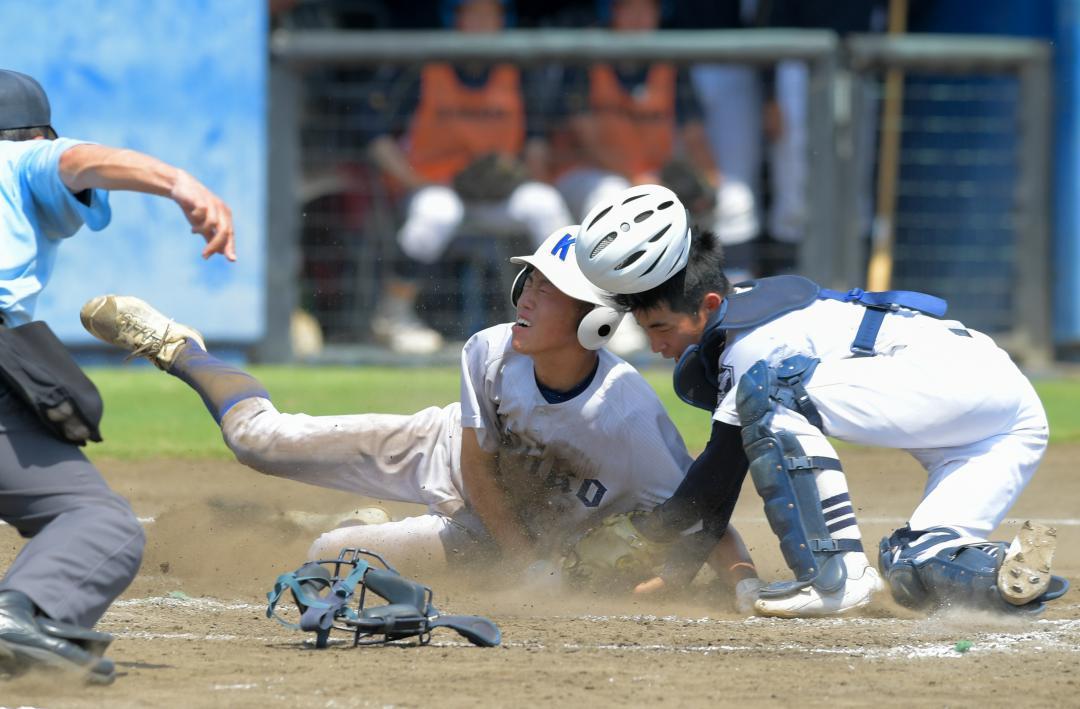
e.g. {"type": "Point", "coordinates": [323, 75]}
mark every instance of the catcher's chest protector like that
{"type": "Point", "coordinates": [697, 374]}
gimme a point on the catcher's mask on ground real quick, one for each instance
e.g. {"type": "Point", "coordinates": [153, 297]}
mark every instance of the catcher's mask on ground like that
{"type": "Point", "coordinates": [556, 262]}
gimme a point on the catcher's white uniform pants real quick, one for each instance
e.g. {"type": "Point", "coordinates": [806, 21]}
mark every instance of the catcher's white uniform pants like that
{"type": "Point", "coordinates": [435, 212]}
{"type": "Point", "coordinates": [413, 458]}
{"type": "Point", "coordinates": [958, 404]}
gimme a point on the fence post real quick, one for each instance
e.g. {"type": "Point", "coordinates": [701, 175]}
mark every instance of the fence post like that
{"type": "Point", "coordinates": [818, 254]}
{"type": "Point", "coordinates": [283, 224]}
{"type": "Point", "coordinates": [1032, 314]}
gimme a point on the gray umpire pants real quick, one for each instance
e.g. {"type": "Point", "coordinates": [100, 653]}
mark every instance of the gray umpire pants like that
{"type": "Point", "coordinates": [85, 544]}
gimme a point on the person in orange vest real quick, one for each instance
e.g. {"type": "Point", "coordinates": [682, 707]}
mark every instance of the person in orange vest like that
{"type": "Point", "coordinates": [625, 122]}
{"type": "Point", "coordinates": [457, 135]}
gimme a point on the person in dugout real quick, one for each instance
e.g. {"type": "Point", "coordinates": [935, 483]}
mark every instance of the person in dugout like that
{"type": "Point", "coordinates": [629, 123]}
{"type": "Point", "coordinates": [457, 138]}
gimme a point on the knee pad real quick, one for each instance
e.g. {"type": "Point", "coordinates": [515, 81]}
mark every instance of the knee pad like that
{"type": "Point", "coordinates": [784, 478]}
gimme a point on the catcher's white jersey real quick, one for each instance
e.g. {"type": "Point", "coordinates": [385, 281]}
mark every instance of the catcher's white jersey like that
{"type": "Point", "coordinates": [945, 393]}
{"type": "Point", "coordinates": [612, 448]}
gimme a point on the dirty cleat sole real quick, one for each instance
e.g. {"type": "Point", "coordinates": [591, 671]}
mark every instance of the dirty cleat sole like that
{"type": "Point", "coordinates": [1025, 573]}
{"type": "Point", "coordinates": [134, 325]}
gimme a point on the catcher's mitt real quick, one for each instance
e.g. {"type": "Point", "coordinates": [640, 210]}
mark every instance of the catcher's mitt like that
{"type": "Point", "coordinates": [490, 178]}
{"type": "Point", "coordinates": [613, 555]}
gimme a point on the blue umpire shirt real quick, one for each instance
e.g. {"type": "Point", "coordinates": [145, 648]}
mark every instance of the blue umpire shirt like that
{"type": "Point", "coordinates": [36, 211]}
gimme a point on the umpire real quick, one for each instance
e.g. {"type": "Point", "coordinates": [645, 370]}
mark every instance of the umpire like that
{"type": "Point", "coordinates": [85, 544]}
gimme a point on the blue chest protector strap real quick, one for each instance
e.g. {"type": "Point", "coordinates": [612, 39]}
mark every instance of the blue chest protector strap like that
{"type": "Point", "coordinates": [877, 305]}
{"type": "Point", "coordinates": [699, 380]}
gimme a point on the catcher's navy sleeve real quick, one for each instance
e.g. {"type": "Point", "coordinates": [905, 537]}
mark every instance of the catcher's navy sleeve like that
{"type": "Point", "coordinates": [709, 490]}
{"type": "Point", "coordinates": [708, 493]}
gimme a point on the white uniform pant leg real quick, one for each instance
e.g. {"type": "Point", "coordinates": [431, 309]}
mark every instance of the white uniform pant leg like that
{"type": "Point", "coordinates": [413, 458]}
{"type": "Point", "coordinates": [412, 545]}
{"type": "Point", "coordinates": [960, 406]}
{"type": "Point", "coordinates": [730, 95]}
{"type": "Point", "coordinates": [432, 216]}
{"type": "Point", "coordinates": [534, 206]}
{"type": "Point", "coordinates": [788, 214]}
{"type": "Point", "coordinates": [584, 188]}
{"type": "Point", "coordinates": [539, 208]}
{"type": "Point", "coordinates": [735, 219]}
{"type": "Point", "coordinates": [971, 488]}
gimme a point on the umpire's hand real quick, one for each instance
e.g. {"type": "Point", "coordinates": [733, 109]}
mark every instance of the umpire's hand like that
{"type": "Point", "coordinates": [207, 214]}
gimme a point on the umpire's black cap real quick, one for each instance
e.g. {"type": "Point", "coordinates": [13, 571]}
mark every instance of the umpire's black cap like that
{"type": "Point", "coordinates": [23, 103]}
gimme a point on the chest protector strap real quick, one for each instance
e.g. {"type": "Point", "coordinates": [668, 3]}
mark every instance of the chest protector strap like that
{"type": "Point", "coordinates": [698, 376]}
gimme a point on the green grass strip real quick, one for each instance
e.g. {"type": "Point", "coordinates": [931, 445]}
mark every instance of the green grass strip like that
{"type": "Point", "coordinates": [149, 414]}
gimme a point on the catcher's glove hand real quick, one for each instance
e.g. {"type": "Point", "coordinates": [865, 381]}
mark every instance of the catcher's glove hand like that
{"type": "Point", "coordinates": [614, 555]}
{"type": "Point", "coordinates": [490, 178]}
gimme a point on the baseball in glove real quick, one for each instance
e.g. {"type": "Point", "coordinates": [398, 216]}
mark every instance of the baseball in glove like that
{"type": "Point", "coordinates": [613, 554]}
{"type": "Point", "coordinates": [490, 178]}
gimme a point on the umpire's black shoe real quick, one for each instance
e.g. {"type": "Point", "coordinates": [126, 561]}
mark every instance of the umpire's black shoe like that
{"type": "Point", "coordinates": [27, 642]}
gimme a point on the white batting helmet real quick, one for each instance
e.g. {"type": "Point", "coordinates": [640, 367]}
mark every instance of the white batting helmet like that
{"type": "Point", "coordinates": [556, 260]}
{"type": "Point", "coordinates": [635, 241]}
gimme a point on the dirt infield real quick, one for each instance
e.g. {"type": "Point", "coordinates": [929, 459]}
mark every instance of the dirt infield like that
{"type": "Point", "coordinates": [191, 631]}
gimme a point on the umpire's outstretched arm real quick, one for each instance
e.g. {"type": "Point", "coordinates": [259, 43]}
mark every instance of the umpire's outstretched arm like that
{"type": "Point", "coordinates": [87, 166]}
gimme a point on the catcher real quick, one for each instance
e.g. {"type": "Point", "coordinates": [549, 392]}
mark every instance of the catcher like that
{"type": "Point", "coordinates": [780, 362]}
{"type": "Point", "coordinates": [552, 434]}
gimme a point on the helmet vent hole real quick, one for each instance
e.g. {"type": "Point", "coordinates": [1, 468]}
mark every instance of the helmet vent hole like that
{"type": "Point", "coordinates": [603, 244]}
{"type": "Point", "coordinates": [660, 234]}
{"type": "Point", "coordinates": [643, 216]}
{"type": "Point", "coordinates": [628, 200]}
{"type": "Point", "coordinates": [650, 268]}
{"type": "Point", "coordinates": [630, 260]}
{"type": "Point", "coordinates": [664, 205]}
{"type": "Point", "coordinates": [598, 218]}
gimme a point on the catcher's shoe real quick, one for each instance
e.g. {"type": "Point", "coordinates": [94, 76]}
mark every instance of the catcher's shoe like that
{"type": "Point", "coordinates": [862, 583]}
{"type": "Point", "coordinates": [128, 322]}
{"type": "Point", "coordinates": [1025, 573]}
{"type": "Point", "coordinates": [28, 642]}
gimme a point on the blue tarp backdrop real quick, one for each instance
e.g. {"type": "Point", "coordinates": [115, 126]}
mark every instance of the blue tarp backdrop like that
{"type": "Point", "coordinates": [185, 82]}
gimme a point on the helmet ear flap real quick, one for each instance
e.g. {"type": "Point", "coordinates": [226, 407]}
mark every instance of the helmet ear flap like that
{"type": "Point", "coordinates": [519, 285]}
{"type": "Point", "coordinates": [597, 327]}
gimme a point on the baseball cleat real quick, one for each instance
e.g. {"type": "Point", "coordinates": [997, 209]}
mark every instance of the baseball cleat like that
{"type": "Point", "coordinates": [809, 602]}
{"type": "Point", "coordinates": [133, 324]}
{"type": "Point", "coordinates": [1025, 573]}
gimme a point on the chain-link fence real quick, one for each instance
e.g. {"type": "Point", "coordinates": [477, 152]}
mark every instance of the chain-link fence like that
{"type": "Point", "coordinates": [972, 207]}
{"type": "Point", "coordinates": [970, 222]}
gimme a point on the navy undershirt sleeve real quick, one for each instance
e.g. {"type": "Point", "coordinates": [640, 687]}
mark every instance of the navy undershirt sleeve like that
{"type": "Point", "coordinates": [712, 483]}
{"type": "Point", "coordinates": [707, 494]}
